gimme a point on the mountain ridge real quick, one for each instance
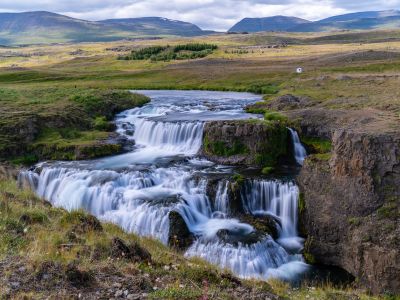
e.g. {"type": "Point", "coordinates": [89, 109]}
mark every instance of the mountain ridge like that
{"type": "Point", "coordinates": [351, 21]}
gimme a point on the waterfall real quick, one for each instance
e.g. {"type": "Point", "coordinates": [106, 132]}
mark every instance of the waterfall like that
{"type": "Point", "coordinates": [263, 260]}
{"type": "Point", "coordinates": [182, 137]}
{"type": "Point", "coordinates": [300, 152]}
{"type": "Point", "coordinates": [221, 199]}
{"type": "Point", "coordinates": [277, 198]}
{"type": "Point", "coordinates": [136, 192]}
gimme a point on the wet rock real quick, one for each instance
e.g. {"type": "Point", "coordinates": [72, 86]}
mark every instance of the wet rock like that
{"type": "Point", "coordinates": [233, 238]}
{"type": "Point", "coordinates": [179, 236]}
{"type": "Point", "coordinates": [265, 224]}
{"type": "Point", "coordinates": [133, 252]}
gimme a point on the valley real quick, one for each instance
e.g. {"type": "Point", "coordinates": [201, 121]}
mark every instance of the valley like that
{"type": "Point", "coordinates": [185, 141]}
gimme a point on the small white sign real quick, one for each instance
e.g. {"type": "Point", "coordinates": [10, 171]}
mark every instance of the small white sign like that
{"type": "Point", "coordinates": [299, 70]}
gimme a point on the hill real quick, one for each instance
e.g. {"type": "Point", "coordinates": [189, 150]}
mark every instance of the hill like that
{"type": "Point", "coordinates": [354, 21]}
{"type": "Point", "coordinates": [46, 27]}
{"type": "Point", "coordinates": [155, 26]}
{"type": "Point", "coordinates": [276, 23]}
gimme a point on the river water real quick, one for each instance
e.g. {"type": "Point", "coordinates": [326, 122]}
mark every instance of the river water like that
{"type": "Point", "coordinates": [162, 172]}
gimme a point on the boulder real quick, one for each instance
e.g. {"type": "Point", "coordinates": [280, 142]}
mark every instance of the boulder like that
{"type": "Point", "coordinates": [179, 236]}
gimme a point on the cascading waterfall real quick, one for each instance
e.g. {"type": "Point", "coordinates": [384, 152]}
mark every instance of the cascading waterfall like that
{"type": "Point", "coordinates": [300, 152]}
{"type": "Point", "coordinates": [139, 198]}
{"type": "Point", "coordinates": [182, 137]}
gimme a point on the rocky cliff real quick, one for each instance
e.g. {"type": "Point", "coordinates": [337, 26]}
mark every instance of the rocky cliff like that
{"type": "Point", "coordinates": [350, 201]}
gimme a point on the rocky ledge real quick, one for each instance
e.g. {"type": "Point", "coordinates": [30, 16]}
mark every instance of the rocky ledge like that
{"type": "Point", "coordinates": [252, 143]}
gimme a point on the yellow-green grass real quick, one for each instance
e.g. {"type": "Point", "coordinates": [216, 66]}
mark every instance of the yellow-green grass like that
{"type": "Point", "coordinates": [32, 229]}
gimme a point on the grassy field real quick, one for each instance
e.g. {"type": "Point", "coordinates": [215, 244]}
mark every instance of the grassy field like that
{"type": "Point", "coordinates": [338, 74]}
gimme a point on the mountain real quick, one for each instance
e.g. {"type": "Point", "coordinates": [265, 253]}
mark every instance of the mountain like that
{"type": "Point", "coordinates": [276, 23]}
{"type": "Point", "coordinates": [362, 15]}
{"type": "Point", "coordinates": [47, 27]}
{"type": "Point", "coordinates": [155, 25]}
{"type": "Point", "coordinates": [355, 21]}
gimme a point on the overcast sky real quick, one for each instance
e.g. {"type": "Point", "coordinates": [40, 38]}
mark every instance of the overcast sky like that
{"type": "Point", "coordinates": [208, 14]}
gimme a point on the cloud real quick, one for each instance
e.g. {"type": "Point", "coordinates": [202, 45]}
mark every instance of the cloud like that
{"type": "Point", "coordinates": [208, 14]}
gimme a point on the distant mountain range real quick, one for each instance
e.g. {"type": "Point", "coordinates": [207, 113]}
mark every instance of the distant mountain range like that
{"type": "Point", "coordinates": [353, 21]}
{"type": "Point", "coordinates": [47, 27]}
{"type": "Point", "coordinates": [276, 23]}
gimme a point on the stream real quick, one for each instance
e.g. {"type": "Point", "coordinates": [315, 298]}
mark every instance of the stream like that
{"type": "Point", "coordinates": [162, 172]}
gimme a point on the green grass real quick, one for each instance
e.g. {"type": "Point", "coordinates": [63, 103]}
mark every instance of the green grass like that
{"type": "Point", "coordinates": [317, 145]}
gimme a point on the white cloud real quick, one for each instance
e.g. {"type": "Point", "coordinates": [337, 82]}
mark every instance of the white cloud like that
{"type": "Point", "coordinates": [208, 14]}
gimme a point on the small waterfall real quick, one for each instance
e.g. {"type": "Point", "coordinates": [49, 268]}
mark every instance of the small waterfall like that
{"type": "Point", "coordinates": [277, 198]}
{"type": "Point", "coordinates": [183, 137]}
{"type": "Point", "coordinates": [263, 260]}
{"type": "Point", "coordinates": [137, 201]}
{"type": "Point", "coordinates": [222, 200]}
{"type": "Point", "coordinates": [300, 152]}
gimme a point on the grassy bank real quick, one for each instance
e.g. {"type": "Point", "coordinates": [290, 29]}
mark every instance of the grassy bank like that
{"type": "Point", "coordinates": [49, 252]}
{"type": "Point", "coordinates": [60, 122]}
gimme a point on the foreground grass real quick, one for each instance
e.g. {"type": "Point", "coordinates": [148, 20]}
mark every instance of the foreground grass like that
{"type": "Point", "coordinates": [75, 252]}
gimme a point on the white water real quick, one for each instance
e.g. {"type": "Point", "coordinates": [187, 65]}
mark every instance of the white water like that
{"type": "Point", "coordinates": [300, 152]}
{"type": "Point", "coordinates": [137, 190]}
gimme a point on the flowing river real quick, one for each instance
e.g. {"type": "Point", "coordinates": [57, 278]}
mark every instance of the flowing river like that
{"type": "Point", "coordinates": [163, 173]}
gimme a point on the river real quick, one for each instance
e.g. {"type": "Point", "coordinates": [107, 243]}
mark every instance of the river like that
{"type": "Point", "coordinates": [162, 172]}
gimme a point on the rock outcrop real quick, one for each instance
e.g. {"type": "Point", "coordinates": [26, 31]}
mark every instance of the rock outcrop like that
{"type": "Point", "coordinates": [179, 237]}
{"type": "Point", "coordinates": [251, 143]}
{"type": "Point", "coordinates": [350, 202]}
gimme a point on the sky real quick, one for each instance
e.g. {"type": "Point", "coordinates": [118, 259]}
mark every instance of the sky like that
{"type": "Point", "coordinates": [208, 14]}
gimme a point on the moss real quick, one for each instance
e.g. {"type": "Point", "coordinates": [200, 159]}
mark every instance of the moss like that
{"type": "Point", "coordinates": [317, 145]}
{"type": "Point", "coordinates": [267, 170]}
{"type": "Point", "coordinates": [238, 178]}
{"type": "Point", "coordinates": [389, 211]}
{"type": "Point", "coordinates": [323, 156]}
{"type": "Point", "coordinates": [308, 256]}
{"type": "Point", "coordinates": [222, 149]}
{"type": "Point", "coordinates": [354, 221]}
{"type": "Point", "coordinates": [301, 203]}
{"type": "Point", "coordinates": [275, 116]}
{"type": "Point", "coordinates": [101, 124]}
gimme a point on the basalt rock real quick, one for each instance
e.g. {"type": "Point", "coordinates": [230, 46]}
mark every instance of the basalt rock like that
{"type": "Point", "coordinates": [179, 236]}
{"type": "Point", "coordinates": [250, 143]}
{"type": "Point", "coordinates": [350, 207]}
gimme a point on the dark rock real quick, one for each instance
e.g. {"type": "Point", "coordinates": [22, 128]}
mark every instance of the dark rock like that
{"type": "Point", "coordinates": [86, 223]}
{"type": "Point", "coordinates": [234, 238]}
{"type": "Point", "coordinates": [133, 252]}
{"type": "Point", "coordinates": [289, 102]}
{"type": "Point", "coordinates": [250, 143]}
{"type": "Point", "coordinates": [266, 224]}
{"type": "Point", "coordinates": [179, 236]}
{"type": "Point", "coordinates": [351, 206]}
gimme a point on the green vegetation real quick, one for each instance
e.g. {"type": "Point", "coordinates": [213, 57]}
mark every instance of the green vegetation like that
{"type": "Point", "coordinates": [223, 149]}
{"type": "Point", "coordinates": [60, 123]}
{"type": "Point", "coordinates": [275, 116]}
{"type": "Point", "coordinates": [317, 145]}
{"type": "Point", "coordinates": [167, 53]}
{"type": "Point", "coordinates": [390, 210]}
